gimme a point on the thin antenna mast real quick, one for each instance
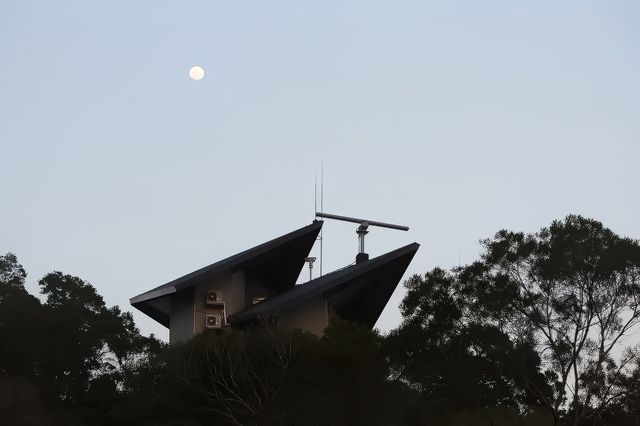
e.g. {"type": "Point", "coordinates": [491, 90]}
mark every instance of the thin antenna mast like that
{"type": "Point", "coordinates": [321, 208]}
{"type": "Point", "coordinates": [311, 259]}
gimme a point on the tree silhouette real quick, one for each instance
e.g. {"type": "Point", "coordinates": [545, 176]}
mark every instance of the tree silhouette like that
{"type": "Point", "coordinates": [20, 321]}
{"type": "Point", "coordinates": [538, 321]}
{"type": "Point", "coordinates": [79, 354]}
{"type": "Point", "coordinates": [575, 287]}
{"type": "Point", "coordinates": [453, 354]}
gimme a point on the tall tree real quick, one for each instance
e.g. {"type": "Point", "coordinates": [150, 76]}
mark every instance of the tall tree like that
{"type": "Point", "coordinates": [575, 288]}
{"type": "Point", "coordinates": [91, 340]}
{"type": "Point", "coordinates": [20, 321]}
{"type": "Point", "coordinates": [12, 274]}
{"type": "Point", "coordinates": [71, 348]}
{"type": "Point", "coordinates": [453, 354]}
{"type": "Point", "coordinates": [74, 333]}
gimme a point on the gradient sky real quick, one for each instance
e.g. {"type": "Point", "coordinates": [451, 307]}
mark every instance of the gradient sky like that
{"type": "Point", "coordinates": [455, 118]}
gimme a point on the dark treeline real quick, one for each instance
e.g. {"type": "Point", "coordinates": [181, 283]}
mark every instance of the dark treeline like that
{"type": "Point", "coordinates": [538, 331]}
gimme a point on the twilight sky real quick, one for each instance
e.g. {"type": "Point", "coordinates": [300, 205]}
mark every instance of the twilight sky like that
{"type": "Point", "coordinates": [455, 118]}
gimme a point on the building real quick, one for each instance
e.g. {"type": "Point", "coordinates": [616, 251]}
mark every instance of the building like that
{"type": "Point", "coordinates": [260, 284]}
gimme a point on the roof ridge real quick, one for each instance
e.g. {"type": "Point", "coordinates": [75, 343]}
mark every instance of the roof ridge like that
{"type": "Point", "coordinates": [311, 288]}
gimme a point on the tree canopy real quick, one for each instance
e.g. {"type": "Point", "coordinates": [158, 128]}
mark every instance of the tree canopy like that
{"type": "Point", "coordinates": [575, 288]}
{"type": "Point", "coordinates": [539, 319]}
{"type": "Point", "coordinates": [535, 332]}
{"type": "Point", "coordinates": [77, 352]}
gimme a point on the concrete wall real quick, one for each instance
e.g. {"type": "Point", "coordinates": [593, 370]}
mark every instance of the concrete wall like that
{"type": "Point", "coordinates": [189, 307]}
{"type": "Point", "coordinates": [181, 326]}
{"type": "Point", "coordinates": [310, 315]}
{"type": "Point", "coordinates": [231, 285]}
{"type": "Point", "coordinates": [237, 290]}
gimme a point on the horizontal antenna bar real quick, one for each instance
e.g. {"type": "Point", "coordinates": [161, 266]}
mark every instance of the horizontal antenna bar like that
{"type": "Point", "coordinates": [360, 221]}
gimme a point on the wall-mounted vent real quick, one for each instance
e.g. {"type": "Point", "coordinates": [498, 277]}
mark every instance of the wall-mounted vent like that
{"type": "Point", "coordinates": [213, 321]}
{"type": "Point", "coordinates": [214, 297]}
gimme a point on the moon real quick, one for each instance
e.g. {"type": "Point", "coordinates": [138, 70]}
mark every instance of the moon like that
{"type": "Point", "coordinates": [196, 73]}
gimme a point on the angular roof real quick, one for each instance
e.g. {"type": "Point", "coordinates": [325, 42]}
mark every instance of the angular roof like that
{"type": "Point", "coordinates": [358, 293]}
{"type": "Point", "coordinates": [278, 262]}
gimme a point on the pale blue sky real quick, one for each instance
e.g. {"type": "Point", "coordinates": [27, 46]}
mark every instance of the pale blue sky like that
{"type": "Point", "coordinates": [454, 118]}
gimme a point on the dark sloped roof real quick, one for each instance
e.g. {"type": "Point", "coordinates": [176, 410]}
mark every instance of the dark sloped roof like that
{"type": "Point", "coordinates": [278, 262]}
{"type": "Point", "coordinates": [359, 292]}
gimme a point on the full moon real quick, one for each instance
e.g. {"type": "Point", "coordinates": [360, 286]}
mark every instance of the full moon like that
{"type": "Point", "coordinates": [196, 73]}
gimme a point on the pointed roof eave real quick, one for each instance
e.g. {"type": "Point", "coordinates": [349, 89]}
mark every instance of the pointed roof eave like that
{"type": "Point", "coordinates": [398, 260]}
{"type": "Point", "coordinates": [281, 247]}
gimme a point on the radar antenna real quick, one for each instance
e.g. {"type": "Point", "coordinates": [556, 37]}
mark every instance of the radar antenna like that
{"type": "Point", "coordinates": [364, 224]}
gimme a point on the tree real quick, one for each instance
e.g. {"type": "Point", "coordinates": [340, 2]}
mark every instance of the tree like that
{"type": "Point", "coordinates": [453, 354]}
{"type": "Point", "coordinates": [20, 321]}
{"type": "Point", "coordinates": [77, 321]}
{"type": "Point", "coordinates": [574, 287]}
{"type": "Point", "coordinates": [263, 375]}
{"type": "Point", "coordinates": [95, 344]}
{"type": "Point", "coordinates": [625, 410]}
{"type": "Point", "coordinates": [341, 379]}
{"type": "Point", "coordinates": [12, 274]}
{"type": "Point", "coordinates": [20, 403]}
{"type": "Point", "coordinates": [71, 349]}
{"type": "Point", "coordinates": [127, 350]}
{"type": "Point", "coordinates": [234, 376]}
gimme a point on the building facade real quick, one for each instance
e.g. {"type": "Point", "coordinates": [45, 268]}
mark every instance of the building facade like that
{"type": "Point", "coordinates": [260, 284]}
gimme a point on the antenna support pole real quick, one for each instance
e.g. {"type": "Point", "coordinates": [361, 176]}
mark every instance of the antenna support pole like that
{"type": "Point", "coordinates": [362, 231]}
{"type": "Point", "coordinates": [310, 260]}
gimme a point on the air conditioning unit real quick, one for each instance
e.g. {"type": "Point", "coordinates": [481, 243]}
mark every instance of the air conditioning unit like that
{"type": "Point", "coordinates": [214, 297]}
{"type": "Point", "coordinates": [213, 321]}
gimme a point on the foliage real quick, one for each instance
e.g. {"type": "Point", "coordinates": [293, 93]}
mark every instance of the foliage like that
{"type": "Point", "coordinates": [231, 376]}
{"type": "Point", "coordinates": [21, 317]}
{"type": "Point", "coordinates": [539, 319]}
{"type": "Point", "coordinates": [575, 287]}
{"type": "Point", "coordinates": [341, 379]}
{"type": "Point", "coordinates": [532, 333]}
{"type": "Point", "coordinates": [267, 376]}
{"type": "Point", "coordinates": [624, 410]}
{"type": "Point", "coordinates": [77, 352]}
{"type": "Point", "coordinates": [453, 355]}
